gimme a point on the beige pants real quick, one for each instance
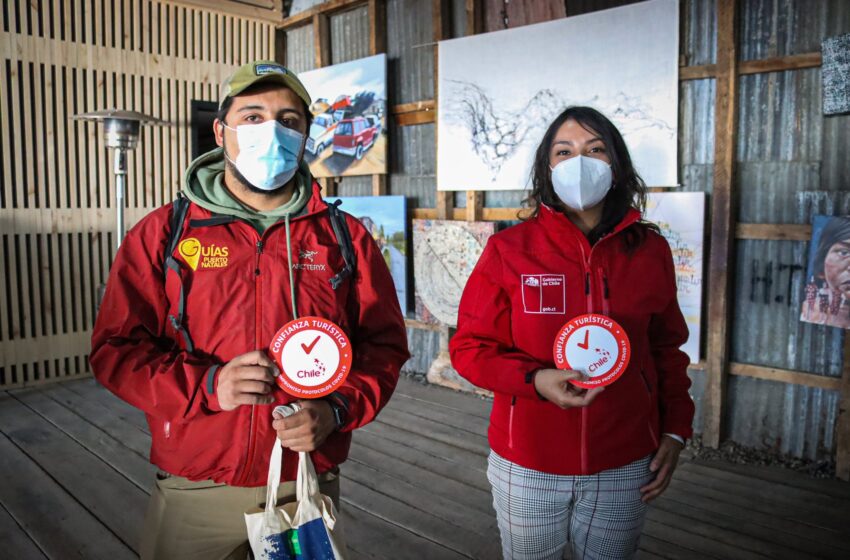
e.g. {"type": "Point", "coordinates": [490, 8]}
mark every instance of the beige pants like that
{"type": "Point", "coordinates": [205, 520]}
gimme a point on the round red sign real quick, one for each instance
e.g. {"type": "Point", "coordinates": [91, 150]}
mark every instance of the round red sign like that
{"type": "Point", "coordinates": [314, 357]}
{"type": "Point", "coordinates": [595, 345]}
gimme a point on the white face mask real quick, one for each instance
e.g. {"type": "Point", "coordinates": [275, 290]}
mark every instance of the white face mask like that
{"type": "Point", "coordinates": [581, 182]}
{"type": "Point", "coordinates": [268, 153]}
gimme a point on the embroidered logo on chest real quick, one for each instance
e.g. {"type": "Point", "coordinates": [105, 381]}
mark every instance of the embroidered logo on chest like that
{"type": "Point", "coordinates": [306, 258]}
{"type": "Point", "coordinates": [198, 255]}
{"type": "Point", "coordinates": [544, 294]}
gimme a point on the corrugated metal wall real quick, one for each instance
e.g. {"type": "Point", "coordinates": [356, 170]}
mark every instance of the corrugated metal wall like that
{"type": "Point", "coordinates": [792, 163]}
{"type": "Point", "coordinates": [782, 136]}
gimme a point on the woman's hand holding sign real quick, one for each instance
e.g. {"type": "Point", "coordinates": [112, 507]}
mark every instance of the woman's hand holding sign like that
{"type": "Point", "coordinates": [554, 386]}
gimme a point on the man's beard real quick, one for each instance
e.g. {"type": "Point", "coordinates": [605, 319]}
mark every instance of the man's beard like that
{"type": "Point", "coordinates": [247, 184]}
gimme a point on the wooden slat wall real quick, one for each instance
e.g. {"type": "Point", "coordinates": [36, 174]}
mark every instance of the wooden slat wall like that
{"type": "Point", "coordinates": [57, 216]}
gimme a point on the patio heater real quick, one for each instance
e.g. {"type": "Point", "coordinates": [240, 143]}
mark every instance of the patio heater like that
{"type": "Point", "coordinates": [122, 130]}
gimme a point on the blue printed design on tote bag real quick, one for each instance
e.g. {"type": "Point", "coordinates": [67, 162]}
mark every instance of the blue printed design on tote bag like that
{"type": "Point", "coordinates": [309, 541]}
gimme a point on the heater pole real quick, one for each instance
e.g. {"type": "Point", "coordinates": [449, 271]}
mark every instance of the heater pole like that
{"type": "Point", "coordinates": [120, 181]}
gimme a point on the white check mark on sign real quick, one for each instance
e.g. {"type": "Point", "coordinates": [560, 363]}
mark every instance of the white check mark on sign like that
{"type": "Point", "coordinates": [309, 348]}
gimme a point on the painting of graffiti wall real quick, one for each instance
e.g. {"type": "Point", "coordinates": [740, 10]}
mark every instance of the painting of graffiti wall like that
{"type": "Point", "coordinates": [499, 91]}
{"type": "Point", "coordinates": [681, 217]}
{"type": "Point", "coordinates": [444, 254]}
{"type": "Point", "coordinates": [349, 133]}
{"type": "Point", "coordinates": [386, 218]}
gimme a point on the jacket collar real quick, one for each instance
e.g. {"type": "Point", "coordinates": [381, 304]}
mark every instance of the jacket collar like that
{"type": "Point", "coordinates": [556, 223]}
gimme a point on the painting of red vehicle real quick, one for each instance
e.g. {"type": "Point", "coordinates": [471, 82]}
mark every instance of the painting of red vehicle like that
{"type": "Point", "coordinates": [354, 136]}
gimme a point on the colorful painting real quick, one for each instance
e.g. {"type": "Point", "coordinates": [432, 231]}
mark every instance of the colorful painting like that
{"type": "Point", "coordinates": [385, 217]}
{"type": "Point", "coordinates": [444, 254]}
{"type": "Point", "coordinates": [349, 131]}
{"type": "Point", "coordinates": [499, 91]}
{"type": "Point", "coordinates": [826, 300]}
{"type": "Point", "coordinates": [681, 217]}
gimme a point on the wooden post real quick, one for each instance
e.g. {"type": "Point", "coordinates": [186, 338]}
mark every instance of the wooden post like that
{"type": "Point", "coordinates": [842, 428]}
{"type": "Point", "coordinates": [474, 17]}
{"type": "Point", "coordinates": [328, 186]}
{"type": "Point", "coordinates": [442, 30]}
{"type": "Point", "coordinates": [322, 40]}
{"type": "Point", "coordinates": [377, 27]}
{"type": "Point", "coordinates": [474, 199]}
{"type": "Point", "coordinates": [721, 257]}
{"type": "Point", "coordinates": [280, 46]}
{"type": "Point", "coordinates": [379, 185]}
{"type": "Point", "coordinates": [474, 206]}
{"type": "Point", "coordinates": [377, 45]}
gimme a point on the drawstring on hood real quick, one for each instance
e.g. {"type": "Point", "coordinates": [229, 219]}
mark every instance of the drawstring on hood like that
{"type": "Point", "coordinates": [289, 260]}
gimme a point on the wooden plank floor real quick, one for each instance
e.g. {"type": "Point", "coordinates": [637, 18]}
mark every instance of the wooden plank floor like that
{"type": "Point", "coordinates": [74, 482]}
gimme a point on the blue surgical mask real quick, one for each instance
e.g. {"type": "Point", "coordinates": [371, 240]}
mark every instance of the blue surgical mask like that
{"type": "Point", "coordinates": [268, 153]}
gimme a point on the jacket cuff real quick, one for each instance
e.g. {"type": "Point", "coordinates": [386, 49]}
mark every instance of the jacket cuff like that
{"type": "Point", "coordinates": [529, 378]}
{"type": "Point", "coordinates": [676, 437]}
{"type": "Point", "coordinates": [210, 384]}
{"type": "Point", "coordinates": [682, 429]}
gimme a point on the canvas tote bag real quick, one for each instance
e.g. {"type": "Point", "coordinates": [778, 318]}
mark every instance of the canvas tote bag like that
{"type": "Point", "coordinates": [307, 529]}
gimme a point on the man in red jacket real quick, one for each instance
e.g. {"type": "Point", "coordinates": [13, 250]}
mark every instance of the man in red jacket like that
{"type": "Point", "coordinates": [193, 302]}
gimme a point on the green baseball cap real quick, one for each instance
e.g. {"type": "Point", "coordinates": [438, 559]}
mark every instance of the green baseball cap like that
{"type": "Point", "coordinates": [262, 71]}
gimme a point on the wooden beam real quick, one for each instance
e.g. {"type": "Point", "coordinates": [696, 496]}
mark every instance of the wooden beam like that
{"type": "Point", "coordinates": [414, 324]}
{"type": "Point", "coordinates": [377, 27]}
{"type": "Point", "coordinates": [781, 232]}
{"type": "Point", "coordinates": [418, 117]}
{"type": "Point", "coordinates": [721, 257]}
{"type": "Point", "coordinates": [842, 428]}
{"type": "Point", "coordinates": [785, 376]}
{"type": "Point", "coordinates": [487, 214]}
{"type": "Point", "coordinates": [326, 8]}
{"type": "Point", "coordinates": [273, 14]}
{"type": "Point", "coordinates": [773, 64]}
{"type": "Point", "coordinates": [322, 40]}
{"type": "Point", "coordinates": [416, 106]}
{"type": "Point", "coordinates": [697, 72]}
{"type": "Point", "coordinates": [781, 63]}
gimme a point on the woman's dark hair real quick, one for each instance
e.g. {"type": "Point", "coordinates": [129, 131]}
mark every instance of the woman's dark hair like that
{"type": "Point", "coordinates": [835, 231]}
{"type": "Point", "coordinates": [628, 190]}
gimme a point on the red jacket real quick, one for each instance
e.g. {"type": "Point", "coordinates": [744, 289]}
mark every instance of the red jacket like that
{"type": "Point", "coordinates": [236, 300]}
{"type": "Point", "coordinates": [501, 339]}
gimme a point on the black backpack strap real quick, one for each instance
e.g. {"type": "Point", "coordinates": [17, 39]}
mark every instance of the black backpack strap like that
{"type": "Point", "coordinates": [178, 216]}
{"type": "Point", "coordinates": [343, 239]}
{"type": "Point", "coordinates": [179, 209]}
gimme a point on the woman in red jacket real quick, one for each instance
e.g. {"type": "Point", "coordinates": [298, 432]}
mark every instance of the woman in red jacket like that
{"type": "Point", "coordinates": [574, 467]}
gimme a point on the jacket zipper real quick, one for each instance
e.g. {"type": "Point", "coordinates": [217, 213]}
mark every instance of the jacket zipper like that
{"type": "Point", "coordinates": [252, 431]}
{"type": "Point", "coordinates": [511, 423]}
{"type": "Point", "coordinates": [603, 281]}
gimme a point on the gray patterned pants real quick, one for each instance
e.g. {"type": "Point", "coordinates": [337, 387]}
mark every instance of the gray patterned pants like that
{"type": "Point", "coordinates": [597, 516]}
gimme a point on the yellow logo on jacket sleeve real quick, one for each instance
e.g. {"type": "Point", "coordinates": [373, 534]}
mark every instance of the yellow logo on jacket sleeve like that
{"type": "Point", "coordinates": [207, 256]}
